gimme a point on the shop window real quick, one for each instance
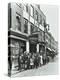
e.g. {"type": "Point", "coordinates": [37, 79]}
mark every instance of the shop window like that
{"type": "Point", "coordinates": [25, 26]}
{"type": "Point", "coordinates": [16, 48]}
{"type": "Point", "coordinates": [32, 11]}
{"type": "Point", "coordinates": [18, 22]}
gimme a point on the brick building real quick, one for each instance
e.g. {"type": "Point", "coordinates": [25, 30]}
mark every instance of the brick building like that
{"type": "Point", "coordinates": [26, 30]}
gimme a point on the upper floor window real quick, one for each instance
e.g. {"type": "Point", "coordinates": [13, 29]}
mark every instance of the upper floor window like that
{"type": "Point", "coordinates": [40, 19]}
{"type": "Point", "coordinates": [35, 28]}
{"type": "Point", "coordinates": [9, 16]}
{"type": "Point", "coordinates": [32, 11]}
{"type": "Point", "coordinates": [32, 28]}
{"type": "Point", "coordinates": [18, 22]}
{"type": "Point", "coordinates": [26, 8]}
{"type": "Point", "coordinates": [36, 15]}
{"type": "Point", "coordinates": [43, 22]}
{"type": "Point", "coordinates": [25, 26]}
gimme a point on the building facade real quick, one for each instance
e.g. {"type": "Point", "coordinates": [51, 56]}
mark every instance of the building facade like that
{"type": "Point", "coordinates": [26, 30]}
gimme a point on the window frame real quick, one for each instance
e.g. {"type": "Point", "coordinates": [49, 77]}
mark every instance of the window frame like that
{"type": "Point", "coordinates": [19, 21]}
{"type": "Point", "coordinates": [25, 25]}
{"type": "Point", "coordinates": [32, 11]}
{"type": "Point", "coordinates": [36, 14]}
{"type": "Point", "coordinates": [32, 27]}
{"type": "Point", "coordinates": [26, 9]}
{"type": "Point", "coordinates": [41, 19]}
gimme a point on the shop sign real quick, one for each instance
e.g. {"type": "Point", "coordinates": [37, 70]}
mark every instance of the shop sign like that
{"type": "Point", "coordinates": [33, 39]}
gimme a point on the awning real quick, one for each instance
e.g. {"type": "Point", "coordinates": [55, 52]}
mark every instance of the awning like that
{"type": "Point", "coordinates": [53, 50]}
{"type": "Point", "coordinates": [48, 48]}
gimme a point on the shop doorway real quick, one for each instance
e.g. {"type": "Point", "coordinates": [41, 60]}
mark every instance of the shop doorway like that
{"type": "Point", "coordinates": [32, 48]}
{"type": "Point", "coordinates": [41, 49]}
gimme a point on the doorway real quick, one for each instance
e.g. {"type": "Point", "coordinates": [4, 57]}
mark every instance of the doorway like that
{"type": "Point", "coordinates": [32, 48]}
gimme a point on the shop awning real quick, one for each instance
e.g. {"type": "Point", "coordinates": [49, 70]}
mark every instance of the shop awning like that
{"type": "Point", "coordinates": [53, 51]}
{"type": "Point", "coordinates": [49, 49]}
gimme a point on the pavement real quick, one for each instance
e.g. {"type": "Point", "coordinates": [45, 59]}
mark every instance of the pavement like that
{"type": "Point", "coordinates": [49, 69]}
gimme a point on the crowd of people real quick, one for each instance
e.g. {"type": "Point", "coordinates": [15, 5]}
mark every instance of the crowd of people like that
{"type": "Point", "coordinates": [30, 61]}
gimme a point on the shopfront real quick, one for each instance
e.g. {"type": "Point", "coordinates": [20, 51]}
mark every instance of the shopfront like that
{"type": "Point", "coordinates": [33, 40]}
{"type": "Point", "coordinates": [19, 47]}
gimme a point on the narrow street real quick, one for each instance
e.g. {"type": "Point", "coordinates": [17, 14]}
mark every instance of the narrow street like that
{"type": "Point", "coordinates": [49, 69]}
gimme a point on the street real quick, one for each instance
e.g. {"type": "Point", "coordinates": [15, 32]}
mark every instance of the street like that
{"type": "Point", "coordinates": [49, 69]}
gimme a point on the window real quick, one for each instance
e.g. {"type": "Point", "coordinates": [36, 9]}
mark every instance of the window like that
{"type": "Point", "coordinates": [42, 36]}
{"type": "Point", "coordinates": [36, 15]}
{"type": "Point", "coordinates": [32, 28]}
{"type": "Point", "coordinates": [9, 15]}
{"type": "Point", "coordinates": [26, 8]}
{"type": "Point", "coordinates": [18, 22]}
{"type": "Point", "coordinates": [32, 11]}
{"type": "Point", "coordinates": [16, 48]}
{"type": "Point", "coordinates": [40, 19]}
{"type": "Point", "coordinates": [35, 29]}
{"type": "Point", "coordinates": [25, 26]}
{"type": "Point", "coordinates": [43, 22]}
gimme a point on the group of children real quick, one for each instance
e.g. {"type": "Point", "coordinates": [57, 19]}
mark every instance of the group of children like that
{"type": "Point", "coordinates": [29, 61]}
